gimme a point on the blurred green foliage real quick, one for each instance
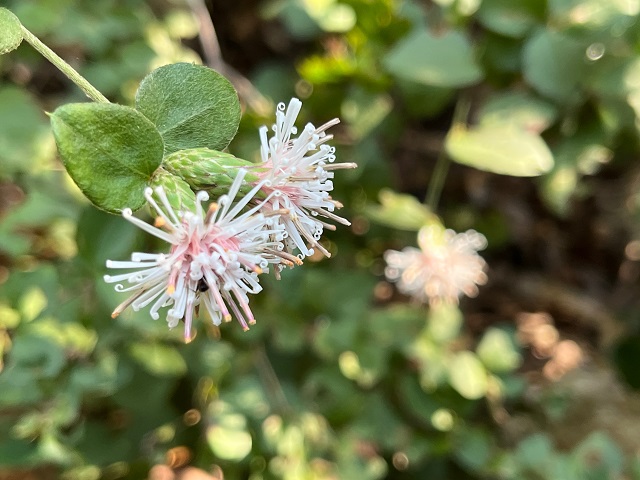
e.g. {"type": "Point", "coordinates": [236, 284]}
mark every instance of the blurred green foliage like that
{"type": "Point", "coordinates": [342, 377]}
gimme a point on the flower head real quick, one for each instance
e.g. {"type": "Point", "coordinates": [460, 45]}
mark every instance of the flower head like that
{"type": "Point", "coordinates": [445, 266]}
{"type": "Point", "coordinates": [297, 173]}
{"type": "Point", "coordinates": [214, 259]}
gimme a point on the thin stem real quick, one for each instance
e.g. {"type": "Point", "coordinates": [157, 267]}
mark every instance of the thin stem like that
{"type": "Point", "coordinates": [436, 182]}
{"type": "Point", "coordinates": [270, 381]}
{"type": "Point", "coordinates": [439, 175]}
{"type": "Point", "coordinates": [213, 57]}
{"type": "Point", "coordinates": [64, 67]}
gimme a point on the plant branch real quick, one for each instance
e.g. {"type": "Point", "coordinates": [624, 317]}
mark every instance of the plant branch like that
{"type": "Point", "coordinates": [270, 381]}
{"type": "Point", "coordinates": [439, 175]}
{"type": "Point", "coordinates": [89, 90]}
{"type": "Point", "coordinates": [213, 57]}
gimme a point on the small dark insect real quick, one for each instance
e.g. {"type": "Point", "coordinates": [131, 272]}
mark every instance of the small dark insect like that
{"type": "Point", "coordinates": [202, 285]}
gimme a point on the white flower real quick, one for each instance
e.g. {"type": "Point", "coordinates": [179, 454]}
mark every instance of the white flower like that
{"type": "Point", "coordinates": [297, 174]}
{"type": "Point", "coordinates": [446, 266]}
{"type": "Point", "coordinates": [214, 260]}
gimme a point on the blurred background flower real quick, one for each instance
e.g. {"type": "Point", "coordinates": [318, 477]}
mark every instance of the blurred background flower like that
{"type": "Point", "coordinates": [446, 265]}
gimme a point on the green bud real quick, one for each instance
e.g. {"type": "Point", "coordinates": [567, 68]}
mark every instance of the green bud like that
{"type": "Point", "coordinates": [209, 170]}
{"type": "Point", "coordinates": [179, 193]}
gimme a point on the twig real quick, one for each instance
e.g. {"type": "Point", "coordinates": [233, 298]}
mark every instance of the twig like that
{"type": "Point", "coordinates": [213, 57]}
{"type": "Point", "coordinates": [271, 383]}
{"type": "Point", "coordinates": [441, 169]}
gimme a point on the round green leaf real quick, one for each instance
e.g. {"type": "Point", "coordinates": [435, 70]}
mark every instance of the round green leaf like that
{"type": "Point", "coordinates": [500, 149]}
{"type": "Point", "coordinates": [521, 109]}
{"type": "Point", "coordinates": [401, 211]}
{"type": "Point", "coordinates": [227, 434]}
{"type": "Point", "coordinates": [442, 61]}
{"type": "Point", "coordinates": [191, 105]}
{"type": "Point", "coordinates": [498, 351]}
{"type": "Point", "coordinates": [467, 375]}
{"type": "Point", "coordinates": [506, 17]}
{"type": "Point", "coordinates": [554, 64]}
{"type": "Point", "coordinates": [229, 442]}
{"type": "Point", "coordinates": [158, 359]}
{"type": "Point", "coordinates": [10, 31]}
{"type": "Point", "coordinates": [110, 151]}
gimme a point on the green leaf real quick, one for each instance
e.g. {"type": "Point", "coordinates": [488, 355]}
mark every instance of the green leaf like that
{"type": "Point", "coordinates": [467, 375]}
{"type": "Point", "coordinates": [227, 434]}
{"type": "Point", "coordinates": [597, 456]}
{"type": "Point", "coordinates": [442, 61]}
{"type": "Point", "coordinates": [596, 16]}
{"type": "Point", "coordinates": [500, 149]}
{"type": "Point", "coordinates": [192, 106]}
{"type": "Point", "coordinates": [554, 65]}
{"type": "Point", "coordinates": [498, 351]}
{"type": "Point", "coordinates": [110, 151]}
{"type": "Point", "coordinates": [400, 211]}
{"type": "Point", "coordinates": [157, 359]}
{"type": "Point", "coordinates": [583, 152]}
{"type": "Point", "coordinates": [11, 28]}
{"type": "Point", "coordinates": [520, 109]}
{"type": "Point", "coordinates": [506, 17]}
{"type": "Point", "coordinates": [535, 452]}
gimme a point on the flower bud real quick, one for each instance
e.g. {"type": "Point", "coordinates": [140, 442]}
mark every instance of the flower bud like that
{"type": "Point", "coordinates": [209, 170]}
{"type": "Point", "coordinates": [178, 192]}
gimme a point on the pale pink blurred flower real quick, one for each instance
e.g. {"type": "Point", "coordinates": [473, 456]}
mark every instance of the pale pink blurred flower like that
{"type": "Point", "coordinates": [297, 173]}
{"type": "Point", "coordinates": [214, 260]}
{"type": "Point", "coordinates": [445, 266]}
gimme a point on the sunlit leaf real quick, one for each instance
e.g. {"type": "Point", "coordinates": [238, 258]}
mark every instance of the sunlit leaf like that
{"type": "Point", "coordinates": [227, 434]}
{"type": "Point", "coordinates": [497, 351]}
{"type": "Point", "coordinates": [158, 359]}
{"type": "Point", "coordinates": [500, 149]}
{"type": "Point", "coordinates": [519, 109]}
{"type": "Point", "coordinates": [467, 375]}
{"type": "Point", "coordinates": [400, 211]}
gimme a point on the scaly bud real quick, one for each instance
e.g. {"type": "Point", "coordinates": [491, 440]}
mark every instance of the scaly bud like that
{"type": "Point", "coordinates": [209, 170]}
{"type": "Point", "coordinates": [178, 192]}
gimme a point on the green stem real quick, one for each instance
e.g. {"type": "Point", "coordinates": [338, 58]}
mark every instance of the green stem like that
{"type": "Point", "coordinates": [441, 169]}
{"type": "Point", "coordinates": [436, 182]}
{"type": "Point", "coordinates": [64, 67]}
{"type": "Point", "coordinates": [271, 383]}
